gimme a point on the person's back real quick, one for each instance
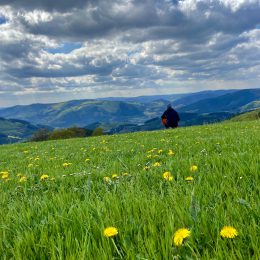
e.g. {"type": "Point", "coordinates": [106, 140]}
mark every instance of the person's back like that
{"type": "Point", "coordinates": [170, 117]}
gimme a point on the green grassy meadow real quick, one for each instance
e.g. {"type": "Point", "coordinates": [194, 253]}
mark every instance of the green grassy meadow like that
{"type": "Point", "coordinates": [64, 216]}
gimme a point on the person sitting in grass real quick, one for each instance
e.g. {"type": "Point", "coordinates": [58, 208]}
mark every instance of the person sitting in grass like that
{"type": "Point", "coordinates": [170, 117]}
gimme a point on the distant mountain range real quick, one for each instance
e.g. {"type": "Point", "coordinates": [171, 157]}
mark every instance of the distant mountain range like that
{"type": "Point", "coordinates": [118, 115]}
{"type": "Point", "coordinates": [13, 130]}
{"type": "Point", "coordinates": [231, 102]}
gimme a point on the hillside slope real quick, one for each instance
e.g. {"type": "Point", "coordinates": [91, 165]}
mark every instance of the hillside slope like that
{"type": "Point", "coordinates": [58, 197]}
{"type": "Point", "coordinates": [13, 130]}
{"type": "Point", "coordinates": [249, 116]}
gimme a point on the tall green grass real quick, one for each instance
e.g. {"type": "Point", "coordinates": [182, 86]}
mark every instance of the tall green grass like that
{"type": "Point", "coordinates": [64, 216]}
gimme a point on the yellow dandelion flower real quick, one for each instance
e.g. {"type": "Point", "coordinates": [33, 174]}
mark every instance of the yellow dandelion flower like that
{"type": "Point", "coordinates": [157, 164]}
{"type": "Point", "coordinates": [189, 178]}
{"type": "Point", "coordinates": [125, 174]}
{"type": "Point", "coordinates": [180, 235]}
{"type": "Point", "coordinates": [44, 177]}
{"type": "Point", "coordinates": [228, 232]}
{"type": "Point", "coordinates": [146, 168]}
{"type": "Point", "coordinates": [170, 152]}
{"type": "Point", "coordinates": [5, 175]}
{"type": "Point", "coordinates": [66, 164]}
{"type": "Point", "coordinates": [110, 232]}
{"type": "Point", "coordinates": [160, 151]}
{"type": "Point", "coordinates": [114, 176]}
{"type": "Point", "coordinates": [87, 160]}
{"type": "Point", "coordinates": [167, 176]}
{"type": "Point", "coordinates": [193, 168]}
{"type": "Point", "coordinates": [22, 179]}
{"type": "Point", "coordinates": [106, 179]}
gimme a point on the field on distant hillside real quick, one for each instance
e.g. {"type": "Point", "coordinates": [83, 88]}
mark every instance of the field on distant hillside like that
{"type": "Point", "coordinates": [58, 197]}
{"type": "Point", "coordinates": [249, 116]}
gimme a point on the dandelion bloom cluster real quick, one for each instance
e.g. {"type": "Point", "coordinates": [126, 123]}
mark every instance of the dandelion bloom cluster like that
{"type": "Point", "coordinates": [44, 177]}
{"type": "Point", "coordinates": [193, 168]}
{"type": "Point", "coordinates": [22, 179]}
{"type": "Point", "coordinates": [5, 175]}
{"type": "Point", "coordinates": [66, 164]}
{"type": "Point", "coordinates": [157, 164]}
{"type": "Point", "coordinates": [167, 176]}
{"type": "Point", "coordinates": [170, 152]}
{"type": "Point", "coordinates": [106, 179]}
{"type": "Point", "coordinates": [110, 232]}
{"type": "Point", "coordinates": [180, 235]}
{"type": "Point", "coordinates": [228, 232]}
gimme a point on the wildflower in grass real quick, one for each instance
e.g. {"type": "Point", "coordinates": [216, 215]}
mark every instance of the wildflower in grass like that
{"type": "Point", "coordinates": [167, 176]}
{"type": "Point", "coordinates": [87, 160]}
{"type": "Point", "coordinates": [193, 168]}
{"type": "Point", "coordinates": [160, 151]}
{"type": "Point", "coordinates": [110, 232]}
{"type": "Point", "coordinates": [170, 152]}
{"type": "Point", "coordinates": [157, 164]}
{"type": "Point", "coordinates": [180, 235]}
{"type": "Point", "coordinates": [146, 168]}
{"type": "Point", "coordinates": [189, 178]}
{"type": "Point", "coordinates": [106, 179]}
{"type": "Point", "coordinates": [125, 174]}
{"type": "Point", "coordinates": [228, 232]}
{"type": "Point", "coordinates": [5, 175]}
{"type": "Point", "coordinates": [22, 179]}
{"type": "Point", "coordinates": [44, 177]}
{"type": "Point", "coordinates": [114, 176]}
{"type": "Point", "coordinates": [66, 164]}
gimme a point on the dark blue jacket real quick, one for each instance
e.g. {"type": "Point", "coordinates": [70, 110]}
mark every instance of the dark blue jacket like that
{"type": "Point", "coordinates": [172, 117]}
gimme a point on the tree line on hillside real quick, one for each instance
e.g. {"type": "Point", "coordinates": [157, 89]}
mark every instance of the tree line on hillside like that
{"type": "Point", "coordinates": [66, 133]}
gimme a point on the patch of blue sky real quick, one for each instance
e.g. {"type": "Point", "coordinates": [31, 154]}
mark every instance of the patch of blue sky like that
{"type": "Point", "coordinates": [2, 20]}
{"type": "Point", "coordinates": [258, 26]}
{"type": "Point", "coordinates": [65, 47]}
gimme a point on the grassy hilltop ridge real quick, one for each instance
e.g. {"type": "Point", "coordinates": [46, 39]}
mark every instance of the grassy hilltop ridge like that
{"type": "Point", "coordinates": [63, 216]}
{"type": "Point", "coordinates": [249, 116]}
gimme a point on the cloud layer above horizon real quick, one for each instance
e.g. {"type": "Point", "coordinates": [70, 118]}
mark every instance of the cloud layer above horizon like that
{"type": "Point", "coordinates": [56, 50]}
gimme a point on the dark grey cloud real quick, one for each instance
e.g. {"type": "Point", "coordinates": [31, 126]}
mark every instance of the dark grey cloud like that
{"type": "Point", "coordinates": [48, 5]}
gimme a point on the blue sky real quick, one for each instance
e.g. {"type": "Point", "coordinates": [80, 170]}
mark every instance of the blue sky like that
{"type": "Point", "coordinates": [2, 20]}
{"type": "Point", "coordinates": [65, 47]}
{"type": "Point", "coordinates": [52, 51]}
